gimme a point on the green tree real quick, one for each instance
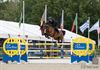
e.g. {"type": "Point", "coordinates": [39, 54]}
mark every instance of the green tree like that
{"type": "Point", "coordinates": [34, 9]}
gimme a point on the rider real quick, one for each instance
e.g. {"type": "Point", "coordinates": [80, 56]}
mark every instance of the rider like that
{"type": "Point", "coordinates": [53, 23]}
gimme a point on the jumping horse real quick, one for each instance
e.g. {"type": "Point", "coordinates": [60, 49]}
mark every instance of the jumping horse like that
{"type": "Point", "coordinates": [48, 30]}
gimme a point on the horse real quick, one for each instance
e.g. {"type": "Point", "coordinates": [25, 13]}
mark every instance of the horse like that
{"type": "Point", "coordinates": [49, 31]}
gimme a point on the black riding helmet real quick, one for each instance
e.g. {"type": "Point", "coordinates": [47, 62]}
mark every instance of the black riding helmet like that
{"type": "Point", "coordinates": [50, 20]}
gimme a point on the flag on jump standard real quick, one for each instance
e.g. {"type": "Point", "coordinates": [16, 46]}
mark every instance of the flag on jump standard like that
{"type": "Point", "coordinates": [84, 26]}
{"type": "Point", "coordinates": [21, 18]}
{"type": "Point", "coordinates": [95, 27]}
{"type": "Point", "coordinates": [75, 24]}
{"type": "Point", "coordinates": [62, 20]}
{"type": "Point", "coordinates": [44, 16]}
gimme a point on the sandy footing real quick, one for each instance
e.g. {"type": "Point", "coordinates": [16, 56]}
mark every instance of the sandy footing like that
{"type": "Point", "coordinates": [51, 66]}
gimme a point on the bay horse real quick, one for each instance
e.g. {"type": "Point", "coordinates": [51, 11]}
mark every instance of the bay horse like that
{"type": "Point", "coordinates": [49, 31]}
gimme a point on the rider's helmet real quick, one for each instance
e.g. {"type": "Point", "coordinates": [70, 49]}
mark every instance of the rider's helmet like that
{"type": "Point", "coordinates": [50, 20]}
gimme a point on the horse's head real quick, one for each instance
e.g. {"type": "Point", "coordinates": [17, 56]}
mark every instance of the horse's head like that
{"type": "Point", "coordinates": [44, 28]}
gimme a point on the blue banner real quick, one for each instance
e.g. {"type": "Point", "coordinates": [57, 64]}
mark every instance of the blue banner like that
{"type": "Point", "coordinates": [79, 58]}
{"type": "Point", "coordinates": [10, 46]}
{"type": "Point", "coordinates": [22, 47]}
{"type": "Point", "coordinates": [90, 46]}
{"type": "Point", "coordinates": [24, 57]}
{"type": "Point", "coordinates": [79, 46]}
{"type": "Point", "coordinates": [7, 58]}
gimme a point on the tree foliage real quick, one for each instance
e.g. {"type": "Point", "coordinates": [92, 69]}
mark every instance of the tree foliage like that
{"type": "Point", "coordinates": [34, 9]}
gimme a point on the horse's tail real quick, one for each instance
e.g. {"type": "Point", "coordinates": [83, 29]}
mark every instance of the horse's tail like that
{"type": "Point", "coordinates": [63, 32]}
